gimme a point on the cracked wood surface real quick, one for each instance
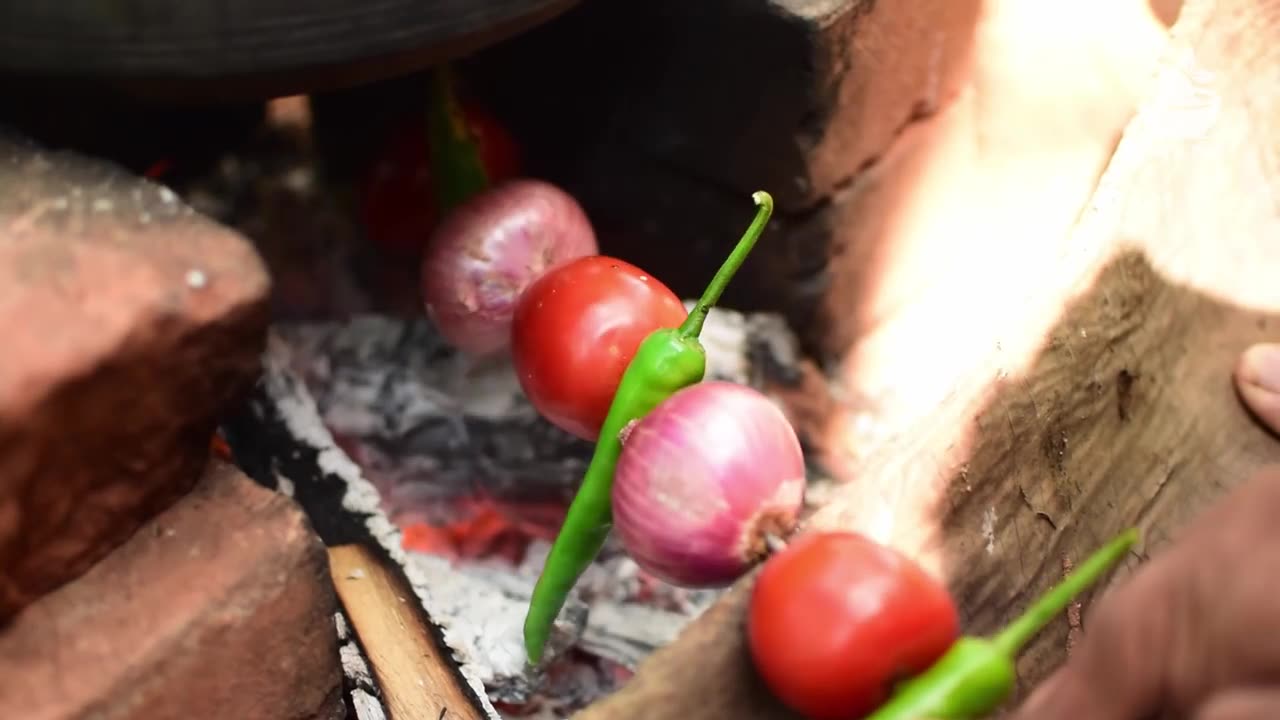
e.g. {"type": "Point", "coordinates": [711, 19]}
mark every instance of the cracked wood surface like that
{"type": "Point", "coordinates": [1021, 414]}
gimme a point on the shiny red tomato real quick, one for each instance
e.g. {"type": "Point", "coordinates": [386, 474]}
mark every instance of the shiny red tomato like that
{"type": "Point", "coordinates": [576, 328]}
{"type": "Point", "coordinates": [397, 194]}
{"type": "Point", "coordinates": [836, 619]}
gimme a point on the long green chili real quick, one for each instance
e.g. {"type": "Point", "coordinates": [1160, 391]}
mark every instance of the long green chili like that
{"type": "Point", "coordinates": [977, 674]}
{"type": "Point", "coordinates": [668, 360]}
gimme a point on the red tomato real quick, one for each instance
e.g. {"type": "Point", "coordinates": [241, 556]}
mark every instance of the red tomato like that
{"type": "Point", "coordinates": [836, 619]}
{"type": "Point", "coordinates": [576, 328]}
{"type": "Point", "coordinates": [397, 194]}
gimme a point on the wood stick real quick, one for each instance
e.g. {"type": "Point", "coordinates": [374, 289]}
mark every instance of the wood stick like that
{"type": "Point", "coordinates": [414, 677]}
{"type": "Point", "coordinates": [1054, 385]}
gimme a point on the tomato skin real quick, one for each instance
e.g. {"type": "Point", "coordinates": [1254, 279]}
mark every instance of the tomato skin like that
{"type": "Point", "coordinates": [836, 618]}
{"type": "Point", "coordinates": [397, 193]}
{"type": "Point", "coordinates": [576, 328]}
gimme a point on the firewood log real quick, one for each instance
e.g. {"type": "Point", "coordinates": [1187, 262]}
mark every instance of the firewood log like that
{"type": "Point", "coordinates": [1062, 376]}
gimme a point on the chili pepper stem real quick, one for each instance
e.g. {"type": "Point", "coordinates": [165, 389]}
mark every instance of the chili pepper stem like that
{"type": "Point", "coordinates": [1014, 636]}
{"type": "Point", "coordinates": [456, 168]}
{"type": "Point", "coordinates": [692, 326]}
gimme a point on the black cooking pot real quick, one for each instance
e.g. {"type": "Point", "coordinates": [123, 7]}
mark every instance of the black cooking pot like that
{"type": "Point", "coordinates": [217, 49]}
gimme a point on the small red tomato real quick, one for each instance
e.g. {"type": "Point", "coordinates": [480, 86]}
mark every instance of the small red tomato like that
{"type": "Point", "coordinates": [836, 619]}
{"type": "Point", "coordinates": [397, 194]}
{"type": "Point", "coordinates": [576, 328]}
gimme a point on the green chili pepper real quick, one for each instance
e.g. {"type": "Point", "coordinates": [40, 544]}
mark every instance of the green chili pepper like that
{"type": "Point", "coordinates": [456, 168]}
{"type": "Point", "coordinates": [666, 361]}
{"type": "Point", "coordinates": [977, 674]}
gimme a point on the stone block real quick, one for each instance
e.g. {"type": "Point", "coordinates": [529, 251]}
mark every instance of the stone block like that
{"type": "Point", "coordinates": [219, 607]}
{"type": "Point", "coordinates": [129, 323]}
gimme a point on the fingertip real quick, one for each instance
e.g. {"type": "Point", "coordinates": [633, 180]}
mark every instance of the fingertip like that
{"type": "Point", "coordinates": [1264, 405]}
{"type": "Point", "coordinates": [1117, 670]}
{"type": "Point", "coordinates": [1068, 694]}
{"type": "Point", "coordinates": [1041, 702]}
{"type": "Point", "coordinates": [1242, 704]}
{"type": "Point", "coordinates": [1257, 377]}
{"type": "Point", "coordinates": [1260, 365]}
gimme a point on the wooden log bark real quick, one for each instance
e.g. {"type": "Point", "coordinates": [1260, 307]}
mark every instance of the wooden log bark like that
{"type": "Point", "coordinates": [1011, 417]}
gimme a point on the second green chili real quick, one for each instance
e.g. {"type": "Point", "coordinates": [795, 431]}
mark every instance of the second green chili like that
{"type": "Point", "coordinates": [972, 678]}
{"type": "Point", "coordinates": [668, 360]}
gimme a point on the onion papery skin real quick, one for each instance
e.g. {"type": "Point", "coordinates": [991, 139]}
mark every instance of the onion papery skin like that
{"type": "Point", "coordinates": [485, 253]}
{"type": "Point", "coordinates": [703, 480]}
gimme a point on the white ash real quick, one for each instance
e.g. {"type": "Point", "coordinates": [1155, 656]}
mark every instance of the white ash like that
{"type": "Point", "coordinates": [628, 633]}
{"type": "Point", "coordinates": [354, 665]}
{"type": "Point", "coordinates": [299, 412]}
{"type": "Point", "coordinates": [616, 578]}
{"type": "Point", "coordinates": [367, 707]}
{"type": "Point", "coordinates": [284, 485]}
{"type": "Point", "coordinates": [356, 676]}
{"type": "Point", "coordinates": [572, 688]}
{"type": "Point", "coordinates": [370, 362]}
{"type": "Point", "coordinates": [429, 425]}
{"type": "Point", "coordinates": [619, 627]}
{"type": "Point", "coordinates": [426, 423]}
{"type": "Point", "coordinates": [480, 623]}
{"type": "Point", "coordinates": [748, 349]}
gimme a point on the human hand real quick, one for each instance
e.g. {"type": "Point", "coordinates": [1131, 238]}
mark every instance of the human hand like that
{"type": "Point", "coordinates": [1196, 632]}
{"type": "Point", "coordinates": [1258, 381]}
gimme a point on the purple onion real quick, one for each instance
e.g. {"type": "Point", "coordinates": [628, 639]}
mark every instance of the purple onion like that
{"type": "Point", "coordinates": [702, 482]}
{"type": "Point", "coordinates": [489, 249]}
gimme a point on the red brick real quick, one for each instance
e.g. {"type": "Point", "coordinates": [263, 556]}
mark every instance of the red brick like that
{"type": "Point", "coordinates": [219, 607]}
{"type": "Point", "coordinates": [130, 322]}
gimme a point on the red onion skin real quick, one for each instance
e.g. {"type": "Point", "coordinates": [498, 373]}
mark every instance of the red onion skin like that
{"type": "Point", "coordinates": [702, 480]}
{"type": "Point", "coordinates": [489, 249]}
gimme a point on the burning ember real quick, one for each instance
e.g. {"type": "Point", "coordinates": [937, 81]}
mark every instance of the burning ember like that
{"type": "Point", "coordinates": [482, 528]}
